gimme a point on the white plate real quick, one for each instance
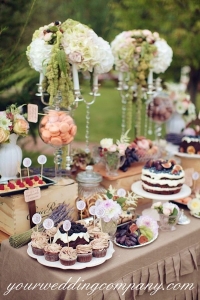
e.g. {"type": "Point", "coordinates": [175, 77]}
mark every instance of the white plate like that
{"type": "Point", "coordinates": [137, 188]}
{"type": "Point", "coordinates": [187, 155]}
{"type": "Point", "coordinates": [77, 266]}
{"type": "Point", "coordinates": [136, 246]}
{"type": "Point", "coordinates": [194, 215]}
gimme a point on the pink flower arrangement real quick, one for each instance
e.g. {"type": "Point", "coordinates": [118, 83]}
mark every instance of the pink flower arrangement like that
{"type": "Point", "coordinates": [12, 121]}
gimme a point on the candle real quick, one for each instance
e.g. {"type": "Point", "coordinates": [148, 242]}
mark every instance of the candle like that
{"type": "Point", "coordinates": [41, 78]}
{"type": "Point", "coordinates": [95, 79]}
{"type": "Point", "coordinates": [120, 76]}
{"type": "Point", "coordinates": [150, 77]}
{"type": "Point", "coordinates": [75, 77]}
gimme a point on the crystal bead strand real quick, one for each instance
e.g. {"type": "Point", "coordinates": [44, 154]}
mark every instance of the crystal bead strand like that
{"type": "Point", "coordinates": [87, 127]}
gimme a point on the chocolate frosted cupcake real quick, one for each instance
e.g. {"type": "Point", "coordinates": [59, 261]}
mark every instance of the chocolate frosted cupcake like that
{"type": "Point", "coordinates": [68, 256]}
{"type": "Point", "coordinates": [38, 245]}
{"type": "Point", "coordinates": [99, 247]}
{"type": "Point", "coordinates": [51, 252]}
{"type": "Point", "coordinates": [84, 253]}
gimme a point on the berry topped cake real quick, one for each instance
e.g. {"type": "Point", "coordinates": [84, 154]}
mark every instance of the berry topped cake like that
{"type": "Point", "coordinates": [162, 177]}
{"type": "Point", "coordinates": [77, 235]}
{"type": "Point", "coordinates": [190, 144]}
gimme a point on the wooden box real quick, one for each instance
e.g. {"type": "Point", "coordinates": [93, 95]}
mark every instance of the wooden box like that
{"type": "Point", "coordinates": [14, 212]}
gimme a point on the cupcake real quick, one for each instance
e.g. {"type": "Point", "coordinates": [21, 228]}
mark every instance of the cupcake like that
{"type": "Point", "coordinates": [51, 252]}
{"type": "Point", "coordinates": [68, 256]}
{"type": "Point", "coordinates": [38, 234]}
{"type": "Point", "coordinates": [99, 247]}
{"type": "Point", "coordinates": [38, 245]}
{"type": "Point", "coordinates": [51, 232]}
{"type": "Point", "coordinates": [93, 230]}
{"type": "Point", "coordinates": [84, 253]}
{"type": "Point", "coordinates": [103, 235]}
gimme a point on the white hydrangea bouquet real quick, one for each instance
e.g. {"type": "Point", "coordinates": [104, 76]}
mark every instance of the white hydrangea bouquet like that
{"type": "Point", "coordinates": [57, 46]}
{"type": "Point", "coordinates": [137, 54]}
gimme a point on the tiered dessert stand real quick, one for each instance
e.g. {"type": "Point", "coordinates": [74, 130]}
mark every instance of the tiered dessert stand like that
{"type": "Point", "coordinates": [137, 188]}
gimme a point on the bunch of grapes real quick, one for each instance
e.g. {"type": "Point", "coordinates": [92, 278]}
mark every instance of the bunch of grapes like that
{"type": "Point", "coordinates": [131, 157]}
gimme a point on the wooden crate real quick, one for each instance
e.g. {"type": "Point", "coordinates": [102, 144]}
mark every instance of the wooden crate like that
{"type": "Point", "coordinates": [14, 213]}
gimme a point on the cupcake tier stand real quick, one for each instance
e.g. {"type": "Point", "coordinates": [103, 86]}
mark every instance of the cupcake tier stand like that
{"type": "Point", "coordinates": [137, 189]}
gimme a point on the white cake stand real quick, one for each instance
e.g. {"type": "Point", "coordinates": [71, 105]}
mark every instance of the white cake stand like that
{"type": "Point", "coordinates": [137, 189]}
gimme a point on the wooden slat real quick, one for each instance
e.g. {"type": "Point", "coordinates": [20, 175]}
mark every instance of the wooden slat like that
{"type": "Point", "coordinates": [3, 236]}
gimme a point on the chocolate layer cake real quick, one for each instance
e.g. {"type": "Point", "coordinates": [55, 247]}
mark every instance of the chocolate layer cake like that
{"type": "Point", "coordinates": [77, 235]}
{"type": "Point", "coordinates": [190, 144]}
{"type": "Point", "coordinates": [162, 177]}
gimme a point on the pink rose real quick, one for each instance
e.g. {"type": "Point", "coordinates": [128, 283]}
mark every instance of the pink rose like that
{"type": "Point", "coordinates": [166, 211]}
{"type": "Point", "coordinates": [112, 148]}
{"type": "Point", "coordinates": [21, 126]}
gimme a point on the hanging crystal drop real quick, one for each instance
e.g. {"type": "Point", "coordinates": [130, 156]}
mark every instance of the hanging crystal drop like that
{"type": "Point", "coordinates": [87, 127]}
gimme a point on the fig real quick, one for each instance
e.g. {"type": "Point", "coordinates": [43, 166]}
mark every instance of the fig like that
{"type": "Point", "coordinates": [176, 169]}
{"type": "Point", "coordinates": [133, 228]}
{"type": "Point", "coordinates": [172, 161]}
{"type": "Point", "coordinates": [142, 239]}
{"type": "Point", "coordinates": [167, 165]}
{"type": "Point", "coordinates": [122, 232]}
{"type": "Point", "coordinates": [149, 164]}
{"type": "Point", "coordinates": [191, 150]}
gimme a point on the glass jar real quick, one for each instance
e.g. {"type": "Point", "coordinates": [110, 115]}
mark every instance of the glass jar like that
{"type": "Point", "coordinates": [57, 127]}
{"type": "Point", "coordinates": [89, 183]}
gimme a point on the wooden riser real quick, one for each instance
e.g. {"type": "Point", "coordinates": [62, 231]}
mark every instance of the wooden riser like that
{"type": "Point", "coordinates": [3, 236]}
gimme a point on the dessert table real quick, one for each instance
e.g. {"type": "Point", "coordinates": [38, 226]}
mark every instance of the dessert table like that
{"type": "Point", "coordinates": [172, 258]}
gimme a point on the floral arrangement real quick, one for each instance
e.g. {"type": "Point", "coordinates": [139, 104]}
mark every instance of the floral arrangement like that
{"type": "Point", "coordinates": [107, 145]}
{"type": "Point", "coordinates": [124, 198]}
{"type": "Point", "coordinates": [167, 209]}
{"type": "Point", "coordinates": [57, 46]}
{"type": "Point", "coordinates": [181, 102]}
{"type": "Point", "coordinates": [146, 222]}
{"type": "Point", "coordinates": [137, 52]}
{"type": "Point", "coordinates": [108, 209]}
{"type": "Point", "coordinates": [80, 159]}
{"type": "Point", "coordinates": [114, 153]}
{"type": "Point", "coordinates": [194, 205]}
{"type": "Point", "coordinates": [12, 121]}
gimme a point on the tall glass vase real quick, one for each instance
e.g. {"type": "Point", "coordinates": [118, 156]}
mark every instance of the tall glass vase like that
{"type": "Point", "coordinates": [10, 158]}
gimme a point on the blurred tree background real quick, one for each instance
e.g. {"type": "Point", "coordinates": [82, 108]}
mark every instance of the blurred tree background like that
{"type": "Point", "coordinates": [177, 21]}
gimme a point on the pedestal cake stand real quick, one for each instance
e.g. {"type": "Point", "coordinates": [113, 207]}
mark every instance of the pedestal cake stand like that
{"type": "Point", "coordinates": [137, 189]}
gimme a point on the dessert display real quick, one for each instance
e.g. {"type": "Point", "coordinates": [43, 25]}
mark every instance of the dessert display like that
{"type": "Point", "coordinates": [68, 256]}
{"type": "Point", "coordinates": [137, 233]}
{"type": "Point", "coordinates": [57, 128]}
{"type": "Point", "coordinates": [190, 142]}
{"type": "Point", "coordinates": [160, 109]}
{"type": "Point", "coordinates": [77, 235]}
{"type": "Point", "coordinates": [190, 145]}
{"type": "Point", "coordinates": [51, 252]}
{"type": "Point", "coordinates": [144, 148]}
{"type": "Point", "coordinates": [24, 183]}
{"type": "Point", "coordinates": [162, 177]}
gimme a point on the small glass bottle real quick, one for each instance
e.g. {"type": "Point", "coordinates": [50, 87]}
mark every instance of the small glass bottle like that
{"type": "Point", "coordinates": [89, 183]}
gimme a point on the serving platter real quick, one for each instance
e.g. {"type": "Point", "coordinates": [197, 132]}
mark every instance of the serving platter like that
{"type": "Point", "coordinates": [136, 246]}
{"type": "Point", "coordinates": [77, 266]}
{"type": "Point", "coordinates": [48, 182]}
{"type": "Point", "coordinates": [194, 215]}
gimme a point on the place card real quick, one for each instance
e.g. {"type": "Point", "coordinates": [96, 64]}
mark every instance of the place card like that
{"type": "Point", "coordinates": [32, 112]}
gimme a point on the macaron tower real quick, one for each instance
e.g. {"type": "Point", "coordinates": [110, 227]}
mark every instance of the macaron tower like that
{"type": "Point", "coordinates": [57, 128]}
